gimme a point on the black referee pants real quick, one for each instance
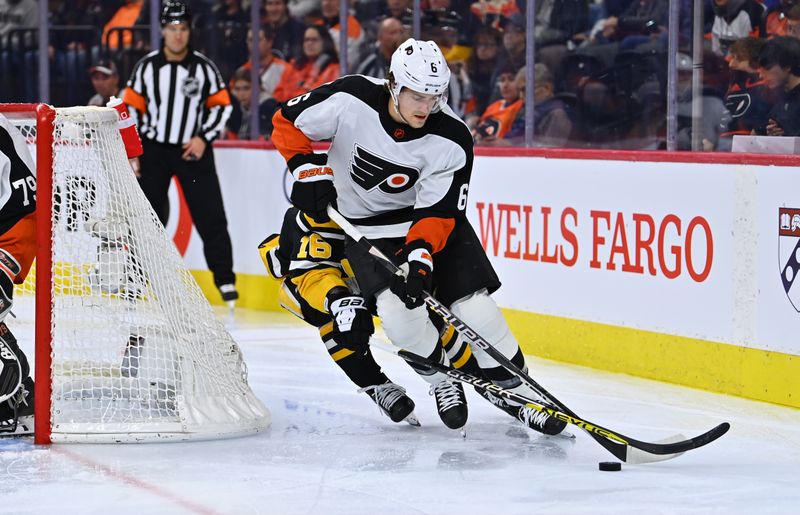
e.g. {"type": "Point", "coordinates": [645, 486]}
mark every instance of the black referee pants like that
{"type": "Point", "coordinates": [201, 189]}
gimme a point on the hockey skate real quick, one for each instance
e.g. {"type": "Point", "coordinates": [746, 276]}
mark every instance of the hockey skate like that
{"type": "Point", "coordinates": [229, 294]}
{"type": "Point", "coordinates": [534, 419]}
{"type": "Point", "coordinates": [16, 413]}
{"type": "Point", "coordinates": [451, 404]}
{"type": "Point", "coordinates": [393, 402]}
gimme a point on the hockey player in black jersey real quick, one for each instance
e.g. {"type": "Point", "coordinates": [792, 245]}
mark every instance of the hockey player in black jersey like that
{"type": "Point", "coordinates": [17, 250]}
{"type": "Point", "coordinates": [398, 169]}
{"type": "Point", "coordinates": [307, 256]}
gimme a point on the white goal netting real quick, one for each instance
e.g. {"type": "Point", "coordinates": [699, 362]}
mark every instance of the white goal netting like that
{"type": "Point", "coordinates": [137, 351]}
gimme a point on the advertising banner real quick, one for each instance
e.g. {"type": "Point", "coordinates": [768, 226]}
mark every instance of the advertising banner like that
{"type": "Point", "coordinates": [643, 245]}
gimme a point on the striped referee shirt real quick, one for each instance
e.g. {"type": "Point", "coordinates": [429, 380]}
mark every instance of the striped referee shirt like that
{"type": "Point", "coordinates": [177, 100]}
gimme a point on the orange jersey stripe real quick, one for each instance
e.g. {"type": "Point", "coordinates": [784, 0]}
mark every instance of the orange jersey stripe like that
{"type": "Point", "coordinates": [220, 98]}
{"type": "Point", "coordinates": [288, 139]}
{"type": "Point", "coordinates": [433, 230]}
{"type": "Point", "coordinates": [134, 100]}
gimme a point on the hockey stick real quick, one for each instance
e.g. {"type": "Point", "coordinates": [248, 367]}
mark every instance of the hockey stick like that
{"type": "Point", "coordinates": [625, 449]}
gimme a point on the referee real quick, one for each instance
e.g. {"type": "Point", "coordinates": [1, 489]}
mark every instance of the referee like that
{"type": "Point", "coordinates": [182, 106]}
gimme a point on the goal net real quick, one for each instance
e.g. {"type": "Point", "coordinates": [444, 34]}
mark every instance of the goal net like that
{"type": "Point", "coordinates": [127, 346]}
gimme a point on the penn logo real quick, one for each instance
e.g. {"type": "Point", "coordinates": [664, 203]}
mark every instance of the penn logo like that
{"type": "Point", "coordinates": [789, 252]}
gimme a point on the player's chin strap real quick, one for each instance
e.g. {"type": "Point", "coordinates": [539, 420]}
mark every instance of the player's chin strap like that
{"type": "Point", "coordinates": [396, 105]}
{"type": "Point", "coordinates": [625, 449]}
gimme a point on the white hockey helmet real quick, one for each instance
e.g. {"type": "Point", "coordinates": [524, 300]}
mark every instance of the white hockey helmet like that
{"type": "Point", "coordinates": [419, 66]}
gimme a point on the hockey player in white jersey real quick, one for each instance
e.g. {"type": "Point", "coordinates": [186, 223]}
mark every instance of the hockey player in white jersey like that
{"type": "Point", "coordinates": [398, 169]}
{"type": "Point", "coordinates": [17, 250]}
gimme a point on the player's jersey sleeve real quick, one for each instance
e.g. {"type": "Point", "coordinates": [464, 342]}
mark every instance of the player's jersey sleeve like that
{"type": "Point", "coordinates": [312, 116]}
{"type": "Point", "coordinates": [442, 195]}
{"type": "Point", "coordinates": [17, 177]}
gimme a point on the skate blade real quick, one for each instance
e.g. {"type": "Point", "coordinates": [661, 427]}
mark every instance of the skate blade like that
{"type": "Point", "coordinates": [564, 435]}
{"type": "Point", "coordinates": [412, 420]}
{"type": "Point", "coordinates": [24, 427]}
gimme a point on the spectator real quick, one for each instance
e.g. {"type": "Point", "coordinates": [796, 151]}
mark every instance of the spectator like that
{"type": "Point", "coordinates": [779, 63]}
{"type": "Point", "coordinates": [748, 98]}
{"type": "Point", "coordinates": [480, 68]}
{"type": "Point", "coordinates": [490, 14]}
{"type": "Point", "coordinates": [75, 48]}
{"type": "Point", "coordinates": [220, 34]}
{"type": "Point", "coordinates": [498, 117]}
{"type": "Point", "coordinates": [288, 31]}
{"type": "Point", "coordinates": [397, 8]}
{"type": "Point", "coordinates": [355, 35]}
{"type": "Point", "coordinates": [127, 16]}
{"type": "Point", "coordinates": [17, 14]}
{"type": "Point", "coordinates": [371, 12]}
{"type": "Point", "coordinates": [637, 25]}
{"type": "Point", "coordinates": [303, 9]}
{"type": "Point", "coordinates": [557, 21]}
{"type": "Point", "coordinates": [447, 14]}
{"type": "Point", "coordinates": [390, 35]}
{"type": "Point", "coordinates": [17, 55]}
{"type": "Point", "coordinates": [318, 64]}
{"type": "Point", "coordinates": [552, 123]}
{"type": "Point", "coordinates": [792, 26]}
{"type": "Point", "coordinates": [270, 68]}
{"type": "Point", "coordinates": [776, 20]}
{"type": "Point", "coordinates": [735, 19]}
{"type": "Point", "coordinates": [238, 126]}
{"type": "Point", "coordinates": [512, 55]}
{"type": "Point", "coordinates": [513, 51]}
{"type": "Point", "coordinates": [230, 11]}
{"type": "Point", "coordinates": [716, 119]}
{"type": "Point", "coordinates": [105, 81]}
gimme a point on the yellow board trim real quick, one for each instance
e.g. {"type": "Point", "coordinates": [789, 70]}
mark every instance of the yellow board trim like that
{"type": "Point", "coordinates": [255, 291]}
{"type": "Point", "coordinates": [718, 367]}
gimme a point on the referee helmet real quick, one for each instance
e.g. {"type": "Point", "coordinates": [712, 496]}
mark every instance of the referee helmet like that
{"type": "Point", "coordinates": [175, 12]}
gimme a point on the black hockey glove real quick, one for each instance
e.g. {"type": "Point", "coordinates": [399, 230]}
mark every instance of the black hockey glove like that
{"type": "Point", "coordinates": [419, 278]}
{"type": "Point", "coordinates": [313, 190]}
{"type": "Point", "coordinates": [352, 321]}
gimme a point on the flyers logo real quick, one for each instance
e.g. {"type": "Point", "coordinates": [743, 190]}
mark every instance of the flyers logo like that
{"type": "Point", "coordinates": [370, 171]}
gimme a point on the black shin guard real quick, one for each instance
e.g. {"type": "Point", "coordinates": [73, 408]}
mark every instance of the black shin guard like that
{"type": "Point", "coordinates": [359, 366]}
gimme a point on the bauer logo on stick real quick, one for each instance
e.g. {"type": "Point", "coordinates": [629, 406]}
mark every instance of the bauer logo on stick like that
{"type": "Point", "coordinates": [789, 252]}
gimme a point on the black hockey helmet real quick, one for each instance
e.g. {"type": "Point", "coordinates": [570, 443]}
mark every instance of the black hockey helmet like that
{"type": "Point", "coordinates": [175, 11]}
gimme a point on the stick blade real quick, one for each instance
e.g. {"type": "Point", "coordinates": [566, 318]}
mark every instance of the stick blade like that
{"type": "Point", "coordinates": [637, 456]}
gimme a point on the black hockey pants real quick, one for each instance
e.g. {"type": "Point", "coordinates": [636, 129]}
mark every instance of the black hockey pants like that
{"type": "Point", "coordinates": [200, 185]}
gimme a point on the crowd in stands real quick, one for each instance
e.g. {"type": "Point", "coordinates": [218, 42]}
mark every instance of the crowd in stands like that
{"type": "Point", "coordinates": [600, 78]}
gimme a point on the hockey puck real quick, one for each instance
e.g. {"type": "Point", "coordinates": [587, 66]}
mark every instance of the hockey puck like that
{"type": "Point", "coordinates": [610, 466]}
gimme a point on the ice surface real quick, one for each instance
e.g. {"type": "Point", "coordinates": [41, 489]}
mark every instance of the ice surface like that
{"type": "Point", "coordinates": [330, 451]}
